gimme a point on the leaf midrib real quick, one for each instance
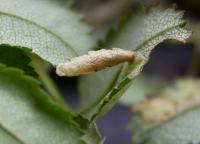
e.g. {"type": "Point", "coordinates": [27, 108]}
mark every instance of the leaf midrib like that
{"type": "Point", "coordinates": [45, 29]}
{"type": "Point", "coordinates": [12, 134]}
{"type": "Point", "coordinates": [158, 34]}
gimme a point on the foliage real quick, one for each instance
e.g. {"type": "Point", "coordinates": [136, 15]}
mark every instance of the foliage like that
{"type": "Point", "coordinates": [29, 116]}
{"type": "Point", "coordinates": [141, 33]}
{"type": "Point", "coordinates": [182, 127]}
{"type": "Point", "coordinates": [36, 33]}
{"type": "Point", "coordinates": [45, 29]}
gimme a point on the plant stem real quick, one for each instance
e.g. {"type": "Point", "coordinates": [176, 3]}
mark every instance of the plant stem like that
{"type": "Point", "coordinates": [112, 84]}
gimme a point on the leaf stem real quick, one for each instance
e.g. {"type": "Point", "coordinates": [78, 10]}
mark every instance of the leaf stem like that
{"type": "Point", "coordinates": [41, 69]}
{"type": "Point", "coordinates": [12, 134]}
{"type": "Point", "coordinates": [112, 84]}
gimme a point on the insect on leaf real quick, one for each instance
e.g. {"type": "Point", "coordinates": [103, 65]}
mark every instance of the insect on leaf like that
{"type": "Point", "coordinates": [95, 61]}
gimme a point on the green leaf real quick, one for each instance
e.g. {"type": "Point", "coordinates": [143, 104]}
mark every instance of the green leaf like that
{"type": "Point", "coordinates": [184, 94]}
{"type": "Point", "coordinates": [139, 128]}
{"type": "Point", "coordinates": [141, 33]}
{"type": "Point", "coordinates": [143, 86]}
{"type": "Point", "coordinates": [14, 57]}
{"type": "Point", "coordinates": [28, 116]}
{"type": "Point", "coordinates": [184, 129]}
{"type": "Point", "coordinates": [53, 32]}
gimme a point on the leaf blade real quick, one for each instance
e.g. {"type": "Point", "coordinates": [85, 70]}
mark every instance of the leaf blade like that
{"type": "Point", "coordinates": [29, 116]}
{"type": "Point", "coordinates": [184, 129]}
{"type": "Point", "coordinates": [50, 30]}
{"type": "Point", "coordinates": [182, 97]}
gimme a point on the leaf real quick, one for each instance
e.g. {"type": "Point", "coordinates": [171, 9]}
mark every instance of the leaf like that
{"type": "Point", "coordinates": [143, 86]}
{"type": "Point", "coordinates": [14, 57]}
{"type": "Point", "coordinates": [175, 99]}
{"type": "Point", "coordinates": [52, 31]}
{"type": "Point", "coordinates": [27, 115]}
{"type": "Point", "coordinates": [141, 34]}
{"type": "Point", "coordinates": [184, 129]}
{"type": "Point", "coordinates": [183, 94]}
{"type": "Point", "coordinates": [139, 128]}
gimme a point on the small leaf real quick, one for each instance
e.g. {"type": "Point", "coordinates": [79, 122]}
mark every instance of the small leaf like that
{"type": "Point", "coordinates": [141, 34]}
{"type": "Point", "coordinates": [27, 115]}
{"type": "Point", "coordinates": [52, 31]}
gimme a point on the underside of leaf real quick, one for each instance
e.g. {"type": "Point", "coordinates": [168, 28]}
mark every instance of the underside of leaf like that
{"type": "Point", "coordinates": [53, 32]}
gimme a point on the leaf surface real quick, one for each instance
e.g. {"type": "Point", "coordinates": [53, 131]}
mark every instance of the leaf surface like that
{"type": "Point", "coordinates": [15, 57]}
{"type": "Point", "coordinates": [184, 129]}
{"type": "Point", "coordinates": [28, 116]}
{"type": "Point", "coordinates": [52, 31]}
{"type": "Point", "coordinates": [179, 128]}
